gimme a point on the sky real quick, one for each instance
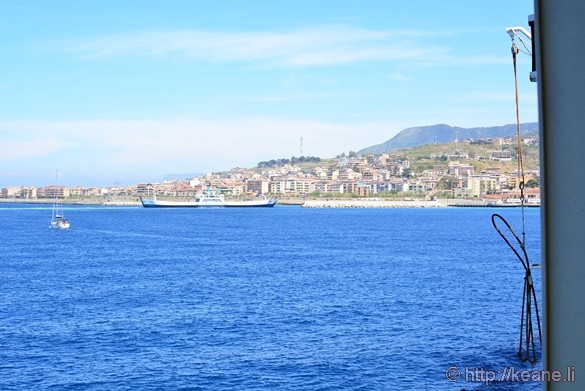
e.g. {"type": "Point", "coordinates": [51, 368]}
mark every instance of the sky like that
{"type": "Point", "coordinates": [116, 92]}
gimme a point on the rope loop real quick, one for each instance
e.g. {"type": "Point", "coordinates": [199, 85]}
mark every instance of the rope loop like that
{"type": "Point", "coordinates": [527, 345]}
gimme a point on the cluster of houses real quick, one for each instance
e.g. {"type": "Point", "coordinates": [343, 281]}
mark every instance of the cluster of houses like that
{"type": "Point", "coordinates": [362, 176]}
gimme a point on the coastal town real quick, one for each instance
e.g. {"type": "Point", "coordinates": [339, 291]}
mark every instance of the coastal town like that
{"type": "Point", "coordinates": [483, 170]}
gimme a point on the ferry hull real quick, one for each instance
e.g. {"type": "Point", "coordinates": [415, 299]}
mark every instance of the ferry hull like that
{"type": "Point", "coordinates": [207, 204]}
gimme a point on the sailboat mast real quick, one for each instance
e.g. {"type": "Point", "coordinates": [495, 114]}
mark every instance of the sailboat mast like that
{"type": "Point", "coordinates": [56, 211]}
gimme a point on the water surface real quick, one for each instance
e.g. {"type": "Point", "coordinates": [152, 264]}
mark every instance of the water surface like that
{"type": "Point", "coordinates": [258, 299]}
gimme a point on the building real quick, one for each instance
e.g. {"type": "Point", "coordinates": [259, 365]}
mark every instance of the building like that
{"type": "Point", "coordinates": [476, 186]}
{"type": "Point", "coordinates": [292, 186]}
{"type": "Point", "coordinates": [258, 186]}
{"type": "Point", "coordinates": [145, 189]}
{"type": "Point", "coordinates": [54, 192]}
{"type": "Point", "coordinates": [502, 155]}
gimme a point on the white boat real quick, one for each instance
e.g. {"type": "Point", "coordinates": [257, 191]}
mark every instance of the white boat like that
{"type": "Point", "coordinates": [210, 199]}
{"type": "Point", "coordinates": [58, 220]}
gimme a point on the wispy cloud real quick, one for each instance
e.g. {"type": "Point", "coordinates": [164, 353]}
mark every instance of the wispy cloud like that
{"type": "Point", "coordinates": [100, 152]}
{"type": "Point", "coordinates": [498, 96]}
{"type": "Point", "coordinates": [14, 174]}
{"type": "Point", "coordinates": [399, 77]}
{"type": "Point", "coordinates": [295, 96]}
{"type": "Point", "coordinates": [322, 45]}
{"type": "Point", "coordinates": [184, 142]}
{"type": "Point", "coordinates": [31, 148]}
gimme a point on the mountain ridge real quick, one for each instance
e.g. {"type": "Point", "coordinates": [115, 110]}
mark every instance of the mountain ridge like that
{"type": "Point", "coordinates": [442, 133]}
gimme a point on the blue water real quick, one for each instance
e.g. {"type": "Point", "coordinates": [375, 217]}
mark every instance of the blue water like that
{"type": "Point", "coordinates": [258, 299]}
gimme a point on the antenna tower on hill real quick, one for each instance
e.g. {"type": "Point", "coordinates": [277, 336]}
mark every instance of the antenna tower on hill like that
{"type": "Point", "coordinates": [301, 150]}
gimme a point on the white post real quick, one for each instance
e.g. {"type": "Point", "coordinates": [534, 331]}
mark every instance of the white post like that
{"type": "Point", "coordinates": [560, 66]}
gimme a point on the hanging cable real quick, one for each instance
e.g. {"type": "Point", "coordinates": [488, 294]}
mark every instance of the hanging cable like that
{"type": "Point", "coordinates": [527, 341]}
{"type": "Point", "coordinates": [519, 139]}
{"type": "Point", "coordinates": [527, 345]}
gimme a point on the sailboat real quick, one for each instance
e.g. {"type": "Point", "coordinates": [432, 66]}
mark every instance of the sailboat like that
{"type": "Point", "coordinates": [58, 220]}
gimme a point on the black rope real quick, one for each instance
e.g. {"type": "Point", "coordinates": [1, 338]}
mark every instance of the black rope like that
{"type": "Point", "coordinates": [527, 345]}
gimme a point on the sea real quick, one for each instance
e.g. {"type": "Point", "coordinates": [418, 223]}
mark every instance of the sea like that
{"type": "Point", "coordinates": [282, 298]}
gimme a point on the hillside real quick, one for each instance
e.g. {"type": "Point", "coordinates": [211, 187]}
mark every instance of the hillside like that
{"type": "Point", "coordinates": [441, 134]}
{"type": "Point", "coordinates": [421, 156]}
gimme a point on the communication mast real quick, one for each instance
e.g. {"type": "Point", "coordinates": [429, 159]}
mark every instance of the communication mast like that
{"type": "Point", "coordinates": [301, 150]}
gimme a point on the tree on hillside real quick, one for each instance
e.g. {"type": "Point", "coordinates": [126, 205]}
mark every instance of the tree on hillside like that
{"type": "Point", "coordinates": [407, 173]}
{"type": "Point", "coordinates": [532, 183]}
{"type": "Point", "coordinates": [447, 182]}
{"type": "Point", "coordinates": [293, 160]}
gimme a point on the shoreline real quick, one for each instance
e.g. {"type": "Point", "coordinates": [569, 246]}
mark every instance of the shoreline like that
{"type": "Point", "coordinates": [310, 204]}
{"type": "Point", "coordinates": [79, 201]}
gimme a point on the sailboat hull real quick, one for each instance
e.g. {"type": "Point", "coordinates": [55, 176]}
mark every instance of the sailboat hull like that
{"type": "Point", "coordinates": [60, 224]}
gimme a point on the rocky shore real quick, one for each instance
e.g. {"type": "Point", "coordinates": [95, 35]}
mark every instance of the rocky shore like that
{"type": "Point", "coordinates": [365, 203]}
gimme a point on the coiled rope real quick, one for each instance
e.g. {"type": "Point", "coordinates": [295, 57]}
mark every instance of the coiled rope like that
{"type": "Point", "coordinates": [527, 345]}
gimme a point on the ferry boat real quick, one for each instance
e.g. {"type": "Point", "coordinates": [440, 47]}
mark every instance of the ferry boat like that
{"type": "Point", "coordinates": [210, 199]}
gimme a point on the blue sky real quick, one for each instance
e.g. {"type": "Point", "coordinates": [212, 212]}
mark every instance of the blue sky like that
{"type": "Point", "coordinates": [128, 91]}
